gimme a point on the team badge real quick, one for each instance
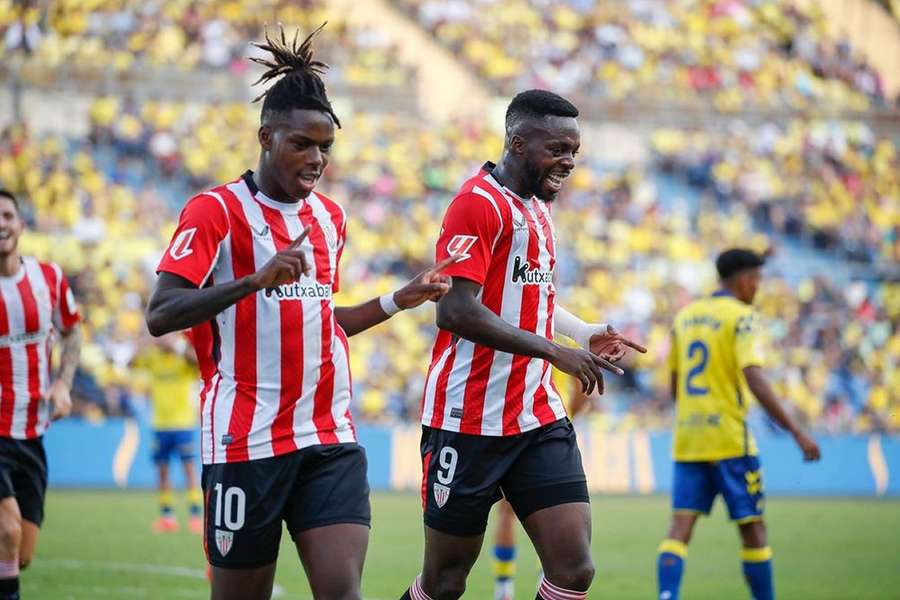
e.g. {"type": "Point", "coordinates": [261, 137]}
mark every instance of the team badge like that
{"type": "Point", "coordinates": [224, 539]}
{"type": "Point", "coordinates": [331, 235]}
{"type": "Point", "coordinates": [441, 494]}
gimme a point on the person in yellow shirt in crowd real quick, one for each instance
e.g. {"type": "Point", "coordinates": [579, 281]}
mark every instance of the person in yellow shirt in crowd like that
{"type": "Point", "coordinates": [716, 355]}
{"type": "Point", "coordinates": [170, 363]}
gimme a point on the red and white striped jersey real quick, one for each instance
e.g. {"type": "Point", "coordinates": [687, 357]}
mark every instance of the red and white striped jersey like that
{"type": "Point", "coordinates": [34, 303]}
{"type": "Point", "coordinates": [507, 244]}
{"type": "Point", "coordinates": [282, 375]}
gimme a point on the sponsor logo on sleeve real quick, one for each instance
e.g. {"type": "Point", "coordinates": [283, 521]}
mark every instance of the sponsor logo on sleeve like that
{"type": "Point", "coordinates": [181, 245]}
{"type": "Point", "coordinates": [460, 246]}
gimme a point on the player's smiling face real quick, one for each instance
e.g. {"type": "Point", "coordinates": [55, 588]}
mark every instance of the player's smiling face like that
{"type": "Point", "coordinates": [550, 155]}
{"type": "Point", "coordinates": [297, 149]}
{"type": "Point", "coordinates": [10, 226]}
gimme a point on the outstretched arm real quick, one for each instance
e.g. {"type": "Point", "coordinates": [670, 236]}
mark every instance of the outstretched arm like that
{"type": "Point", "coordinates": [59, 393]}
{"type": "Point", "coordinates": [461, 313]}
{"type": "Point", "coordinates": [766, 396]}
{"type": "Point", "coordinates": [428, 285]}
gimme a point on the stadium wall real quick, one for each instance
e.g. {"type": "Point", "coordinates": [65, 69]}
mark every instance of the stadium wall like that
{"type": "Point", "coordinates": [116, 453]}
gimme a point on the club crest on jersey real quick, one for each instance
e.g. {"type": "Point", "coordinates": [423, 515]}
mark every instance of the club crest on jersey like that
{"type": "Point", "coordinates": [523, 274]}
{"type": "Point", "coordinates": [441, 494]}
{"type": "Point", "coordinates": [331, 236]}
{"type": "Point", "coordinates": [224, 541]}
{"type": "Point", "coordinates": [460, 245]}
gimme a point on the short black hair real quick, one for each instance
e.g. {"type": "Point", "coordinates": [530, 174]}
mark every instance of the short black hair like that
{"type": "Point", "coordinates": [734, 260]}
{"type": "Point", "coordinates": [9, 195]}
{"type": "Point", "coordinates": [537, 103]}
{"type": "Point", "coordinates": [300, 85]}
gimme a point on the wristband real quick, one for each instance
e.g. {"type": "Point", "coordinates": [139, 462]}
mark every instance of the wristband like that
{"type": "Point", "coordinates": [388, 305]}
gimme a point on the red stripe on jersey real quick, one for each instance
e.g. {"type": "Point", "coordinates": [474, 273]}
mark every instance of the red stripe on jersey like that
{"type": "Point", "coordinates": [542, 409]}
{"type": "Point", "coordinates": [291, 347]}
{"type": "Point", "coordinates": [483, 356]}
{"type": "Point", "coordinates": [342, 336]}
{"type": "Point", "coordinates": [244, 334]}
{"type": "Point", "coordinates": [7, 394]}
{"type": "Point", "coordinates": [32, 324]}
{"type": "Point", "coordinates": [52, 283]}
{"type": "Point", "coordinates": [528, 313]}
{"type": "Point", "coordinates": [322, 402]}
{"type": "Point", "coordinates": [440, 389]}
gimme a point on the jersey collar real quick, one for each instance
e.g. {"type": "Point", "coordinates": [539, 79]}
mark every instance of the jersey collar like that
{"type": "Point", "coordinates": [722, 293]}
{"type": "Point", "coordinates": [271, 203]}
{"type": "Point", "coordinates": [488, 168]}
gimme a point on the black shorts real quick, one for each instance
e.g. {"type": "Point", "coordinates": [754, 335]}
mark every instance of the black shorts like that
{"type": "Point", "coordinates": [464, 475]}
{"type": "Point", "coordinates": [246, 502]}
{"type": "Point", "coordinates": [23, 474]}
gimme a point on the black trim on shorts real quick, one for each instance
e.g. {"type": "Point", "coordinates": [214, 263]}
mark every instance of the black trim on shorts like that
{"type": "Point", "coordinates": [548, 496]}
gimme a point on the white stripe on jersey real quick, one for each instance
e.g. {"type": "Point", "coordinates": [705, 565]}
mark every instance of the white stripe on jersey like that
{"type": "Point", "coordinates": [16, 315]}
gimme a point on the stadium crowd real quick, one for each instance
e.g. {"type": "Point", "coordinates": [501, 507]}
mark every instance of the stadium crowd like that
{"type": "Point", "coordinates": [122, 35]}
{"type": "Point", "coordinates": [104, 207]}
{"type": "Point", "coordinates": [833, 183]}
{"type": "Point", "coordinates": [739, 53]}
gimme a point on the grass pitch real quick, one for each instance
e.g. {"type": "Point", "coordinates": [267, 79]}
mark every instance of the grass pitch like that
{"type": "Point", "coordinates": [99, 546]}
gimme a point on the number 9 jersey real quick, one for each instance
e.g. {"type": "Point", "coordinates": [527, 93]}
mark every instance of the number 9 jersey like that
{"type": "Point", "coordinates": [713, 340]}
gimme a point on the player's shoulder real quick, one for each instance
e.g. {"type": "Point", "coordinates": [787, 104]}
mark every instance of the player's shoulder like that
{"type": "Point", "coordinates": [333, 207]}
{"type": "Point", "coordinates": [477, 196]}
{"type": "Point", "coordinates": [51, 271]}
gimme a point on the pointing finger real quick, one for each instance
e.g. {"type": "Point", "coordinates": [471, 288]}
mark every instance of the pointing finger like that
{"type": "Point", "coordinates": [631, 344]}
{"type": "Point", "coordinates": [303, 234]}
{"type": "Point", "coordinates": [607, 365]}
{"type": "Point", "coordinates": [444, 264]}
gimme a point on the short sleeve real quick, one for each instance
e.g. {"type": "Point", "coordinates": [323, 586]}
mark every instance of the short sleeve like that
{"type": "Point", "coordinates": [191, 254]}
{"type": "Point", "coordinates": [748, 341]}
{"type": "Point", "coordinates": [65, 313]}
{"type": "Point", "coordinates": [471, 227]}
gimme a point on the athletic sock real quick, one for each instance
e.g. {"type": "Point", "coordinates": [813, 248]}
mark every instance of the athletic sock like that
{"type": "Point", "coordinates": [504, 570]}
{"type": "Point", "coordinates": [9, 580]}
{"type": "Point", "coordinates": [548, 591]}
{"type": "Point", "coordinates": [166, 502]}
{"type": "Point", "coordinates": [758, 572]}
{"type": "Point", "coordinates": [669, 568]}
{"type": "Point", "coordinates": [195, 501]}
{"type": "Point", "coordinates": [415, 591]}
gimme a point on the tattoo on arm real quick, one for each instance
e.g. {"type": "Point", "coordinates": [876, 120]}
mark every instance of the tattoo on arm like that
{"type": "Point", "coordinates": [71, 354]}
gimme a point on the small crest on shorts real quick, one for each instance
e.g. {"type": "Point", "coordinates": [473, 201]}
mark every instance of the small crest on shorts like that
{"type": "Point", "coordinates": [441, 494]}
{"type": "Point", "coordinates": [224, 539]}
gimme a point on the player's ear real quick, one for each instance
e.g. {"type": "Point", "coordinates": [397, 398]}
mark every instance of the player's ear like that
{"type": "Point", "coordinates": [265, 136]}
{"type": "Point", "coordinates": [517, 144]}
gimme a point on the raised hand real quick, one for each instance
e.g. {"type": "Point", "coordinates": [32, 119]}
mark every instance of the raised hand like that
{"type": "Point", "coordinates": [427, 285]}
{"type": "Point", "coordinates": [286, 266]}
{"type": "Point", "coordinates": [612, 345]}
{"type": "Point", "coordinates": [585, 366]}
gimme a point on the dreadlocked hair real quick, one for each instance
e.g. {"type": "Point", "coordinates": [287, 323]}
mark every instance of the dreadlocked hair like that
{"type": "Point", "coordinates": [300, 85]}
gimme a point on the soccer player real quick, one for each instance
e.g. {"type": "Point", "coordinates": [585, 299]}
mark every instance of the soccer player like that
{"type": "Point", "coordinates": [37, 310]}
{"type": "Point", "coordinates": [716, 354]}
{"type": "Point", "coordinates": [171, 366]}
{"type": "Point", "coordinates": [493, 423]}
{"type": "Point", "coordinates": [254, 263]}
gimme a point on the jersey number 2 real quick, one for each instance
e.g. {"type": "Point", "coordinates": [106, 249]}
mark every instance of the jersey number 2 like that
{"type": "Point", "coordinates": [697, 348]}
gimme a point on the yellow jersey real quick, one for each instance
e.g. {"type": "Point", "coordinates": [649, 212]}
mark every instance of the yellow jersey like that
{"type": "Point", "coordinates": [171, 380]}
{"type": "Point", "coordinates": [714, 338]}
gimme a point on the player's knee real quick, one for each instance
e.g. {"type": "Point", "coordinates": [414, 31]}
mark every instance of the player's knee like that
{"type": "Point", "coordinates": [574, 576]}
{"type": "Point", "coordinates": [446, 584]}
{"type": "Point", "coordinates": [10, 534]}
{"type": "Point", "coordinates": [754, 534]}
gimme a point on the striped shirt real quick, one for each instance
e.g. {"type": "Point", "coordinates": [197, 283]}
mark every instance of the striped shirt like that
{"type": "Point", "coordinates": [282, 375]}
{"type": "Point", "coordinates": [507, 245]}
{"type": "Point", "coordinates": [35, 303]}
